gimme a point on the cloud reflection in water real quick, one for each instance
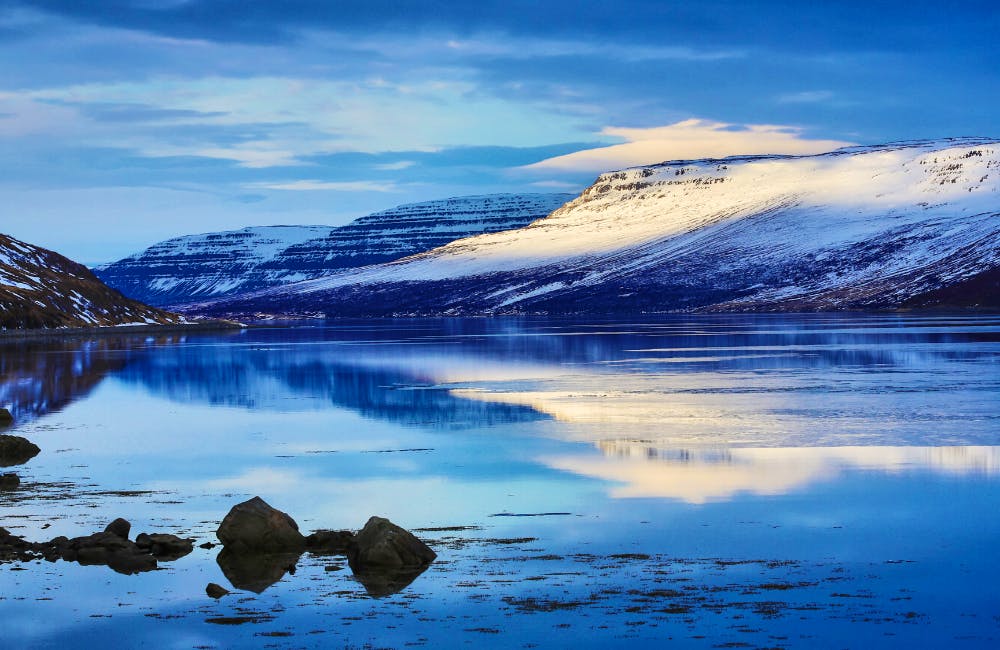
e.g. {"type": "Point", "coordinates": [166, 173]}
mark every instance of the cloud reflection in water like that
{"type": "Point", "coordinates": [703, 475]}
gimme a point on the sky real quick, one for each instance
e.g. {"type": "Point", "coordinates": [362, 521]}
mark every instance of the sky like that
{"type": "Point", "coordinates": [125, 122]}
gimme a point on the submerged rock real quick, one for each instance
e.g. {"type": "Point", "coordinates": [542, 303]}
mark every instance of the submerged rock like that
{"type": "Point", "coordinates": [110, 547]}
{"type": "Point", "coordinates": [15, 450]}
{"type": "Point", "coordinates": [255, 527]}
{"type": "Point", "coordinates": [382, 543]}
{"type": "Point", "coordinates": [330, 542]}
{"type": "Point", "coordinates": [216, 591]}
{"type": "Point", "coordinates": [9, 481]}
{"type": "Point", "coordinates": [14, 548]}
{"type": "Point", "coordinates": [255, 571]}
{"type": "Point", "coordinates": [164, 546]}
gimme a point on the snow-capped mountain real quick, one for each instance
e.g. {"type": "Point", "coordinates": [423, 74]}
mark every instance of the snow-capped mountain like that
{"type": "Point", "coordinates": [904, 224]}
{"type": "Point", "coordinates": [43, 289]}
{"type": "Point", "coordinates": [197, 267]}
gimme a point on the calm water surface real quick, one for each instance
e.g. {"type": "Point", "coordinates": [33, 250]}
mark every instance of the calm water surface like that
{"type": "Point", "coordinates": [779, 481]}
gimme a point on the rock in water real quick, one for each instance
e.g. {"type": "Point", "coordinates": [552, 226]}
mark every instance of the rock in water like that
{"type": "Point", "coordinates": [9, 481]}
{"type": "Point", "coordinates": [382, 543]}
{"type": "Point", "coordinates": [330, 542]}
{"type": "Point", "coordinates": [215, 591]}
{"type": "Point", "coordinates": [164, 546]}
{"type": "Point", "coordinates": [255, 527]}
{"type": "Point", "coordinates": [109, 549]}
{"type": "Point", "coordinates": [119, 527]}
{"type": "Point", "coordinates": [15, 450]}
{"type": "Point", "coordinates": [6, 419]}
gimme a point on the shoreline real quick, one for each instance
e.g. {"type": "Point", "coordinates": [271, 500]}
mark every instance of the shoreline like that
{"type": "Point", "coordinates": [80, 332]}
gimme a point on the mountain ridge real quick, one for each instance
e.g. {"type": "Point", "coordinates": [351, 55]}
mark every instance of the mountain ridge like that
{"type": "Point", "coordinates": [211, 265]}
{"type": "Point", "coordinates": [868, 227]}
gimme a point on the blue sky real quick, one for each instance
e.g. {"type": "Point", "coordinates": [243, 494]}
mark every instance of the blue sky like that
{"type": "Point", "coordinates": [124, 122]}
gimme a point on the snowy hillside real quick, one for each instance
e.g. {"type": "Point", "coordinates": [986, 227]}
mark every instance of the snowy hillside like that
{"type": "Point", "coordinates": [42, 289]}
{"type": "Point", "coordinates": [203, 265]}
{"type": "Point", "coordinates": [218, 264]}
{"type": "Point", "coordinates": [915, 223]}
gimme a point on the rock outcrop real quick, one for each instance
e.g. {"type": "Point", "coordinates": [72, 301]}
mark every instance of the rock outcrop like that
{"type": "Point", "coordinates": [15, 450]}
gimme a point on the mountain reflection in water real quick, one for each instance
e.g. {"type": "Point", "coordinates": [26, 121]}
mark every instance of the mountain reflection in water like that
{"type": "Point", "coordinates": [41, 377]}
{"type": "Point", "coordinates": [788, 400]}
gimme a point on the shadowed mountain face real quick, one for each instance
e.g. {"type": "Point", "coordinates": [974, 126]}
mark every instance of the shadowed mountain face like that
{"type": "Point", "coordinates": [903, 225]}
{"type": "Point", "coordinates": [43, 289]}
{"type": "Point", "coordinates": [198, 267]}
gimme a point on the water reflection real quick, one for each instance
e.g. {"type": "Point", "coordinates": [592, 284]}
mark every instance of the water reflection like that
{"type": "Point", "coordinates": [315, 377]}
{"type": "Point", "coordinates": [638, 470]}
{"type": "Point", "coordinates": [41, 377]}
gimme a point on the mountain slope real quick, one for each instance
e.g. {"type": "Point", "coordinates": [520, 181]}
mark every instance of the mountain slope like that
{"type": "Point", "coordinates": [862, 227]}
{"type": "Point", "coordinates": [218, 264]}
{"type": "Point", "coordinates": [43, 289]}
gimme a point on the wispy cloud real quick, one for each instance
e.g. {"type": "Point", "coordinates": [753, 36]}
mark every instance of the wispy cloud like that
{"type": "Point", "coordinates": [806, 97]}
{"type": "Point", "coordinates": [396, 166]}
{"type": "Point", "coordinates": [558, 185]}
{"type": "Point", "coordinates": [329, 186]}
{"type": "Point", "coordinates": [689, 139]}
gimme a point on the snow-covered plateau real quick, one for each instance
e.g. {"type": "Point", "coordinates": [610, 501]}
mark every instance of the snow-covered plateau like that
{"type": "Point", "coordinates": [199, 267]}
{"type": "Point", "coordinates": [909, 224]}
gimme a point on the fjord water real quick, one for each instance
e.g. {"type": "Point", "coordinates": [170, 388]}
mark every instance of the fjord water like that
{"type": "Point", "coordinates": [738, 481]}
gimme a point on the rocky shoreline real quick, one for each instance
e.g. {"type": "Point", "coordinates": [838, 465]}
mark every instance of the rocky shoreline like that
{"type": "Point", "coordinates": [260, 544]}
{"type": "Point", "coordinates": [78, 332]}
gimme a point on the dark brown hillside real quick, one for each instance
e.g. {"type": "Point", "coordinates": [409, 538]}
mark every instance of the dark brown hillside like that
{"type": "Point", "coordinates": [42, 289]}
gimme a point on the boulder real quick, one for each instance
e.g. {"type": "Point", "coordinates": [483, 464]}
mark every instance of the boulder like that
{"type": "Point", "coordinates": [255, 527]}
{"type": "Point", "coordinates": [6, 419]}
{"type": "Point", "coordinates": [215, 591]}
{"type": "Point", "coordinates": [164, 546]}
{"type": "Point", "coordinates": [15, 450]}
{"type": "Point", "coordinates": [119, 527]}
{"type": "Point", "coordinates": [330, 542]}
{"type": "Point", "coordinates": [9, 481]}
{"type": "Point", "coordinates": [383, 544]}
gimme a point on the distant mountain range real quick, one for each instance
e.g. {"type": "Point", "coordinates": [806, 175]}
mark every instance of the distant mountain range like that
{"type": "Point", "coordinates": [43, 289]}
{"type": "Point", "coordinates": [208, 266]}
{"type": "Point", "coordinates": [911, 224]}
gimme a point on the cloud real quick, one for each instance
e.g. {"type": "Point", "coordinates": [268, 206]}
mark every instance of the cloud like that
{"type": "Point", "coordinates": [690, 139]}
{"type": "Point", "coordinates": [395, 166]}
{"type": "Point", "coordinates": [558, 185]}
{"type": "Point", "coordinates": [806, 97]}
{"type": "Point", "coordinates": [324, 186]}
